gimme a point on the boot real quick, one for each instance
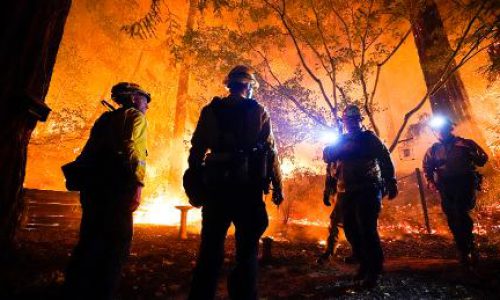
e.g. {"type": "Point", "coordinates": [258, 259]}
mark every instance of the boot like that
{"type": "Point", "coordinates": [474, 257]}
{"type": "Point", "coordinates": [360, 274]}
{"type": "Point", "coordinates": [350, 260]}
{"type": "Point", "coordinates": [464, 258]}
{"type": "Point", "coordinates": [324, 258]}
{"type": "Point", "coordinates": [370, 280]}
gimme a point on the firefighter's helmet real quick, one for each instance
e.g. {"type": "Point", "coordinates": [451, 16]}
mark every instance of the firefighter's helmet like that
{"type": "Point", "coordinates": [352, 111]}
{"type": "Point", "coordinates": [127, 88]}
{"type": "Point", "coordinates": [241, 74]}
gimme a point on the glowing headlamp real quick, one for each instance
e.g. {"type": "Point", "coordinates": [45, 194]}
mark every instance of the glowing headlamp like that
{"type": "Point", "coordinates": [330, 137]}
{"type": "Point", "coordinates": [438, 122]}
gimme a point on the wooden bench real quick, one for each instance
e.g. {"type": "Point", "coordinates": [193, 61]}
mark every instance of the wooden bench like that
{"type": "Point", "coordinates": [51, 209]}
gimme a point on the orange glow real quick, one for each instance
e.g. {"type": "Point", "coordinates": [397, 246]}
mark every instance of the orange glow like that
{"type": "Point", "coordinates": [161, 210]}
{"type": "Point", "coordinates": [86, 68]}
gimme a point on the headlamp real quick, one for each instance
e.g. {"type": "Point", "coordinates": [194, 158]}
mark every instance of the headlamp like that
{"type": "Point", "coordinates": [330, 137]}
{"type": "Point", "coordinates": [438, 122]}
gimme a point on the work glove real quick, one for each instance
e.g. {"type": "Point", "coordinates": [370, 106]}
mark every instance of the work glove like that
{"type": "Point", "coordinates": [392, 189]}
{"type": "Point", "coordinates": [326, 198]}
{"type": "Point", "coordinates": [277, 196]}
{"type": "Point", "coordinates": [431, 186]}
{"type": "Point", "coordinates": [135, 200]}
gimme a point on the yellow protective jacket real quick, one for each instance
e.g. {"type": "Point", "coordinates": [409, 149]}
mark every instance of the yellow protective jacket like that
{"type": "Point", "coordinates": [121, 135]}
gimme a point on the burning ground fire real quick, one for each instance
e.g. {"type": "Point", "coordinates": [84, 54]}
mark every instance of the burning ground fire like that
{"type": "Point", "coordinates": [161, 210]}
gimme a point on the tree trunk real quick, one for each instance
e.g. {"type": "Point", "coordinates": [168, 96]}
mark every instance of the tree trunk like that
{"type": "Point", "coordinates": [434, 52]}
{"type": "Point", "coordinates": [30, 34]}
{"type": "Point", "coordinates": [181, 101]}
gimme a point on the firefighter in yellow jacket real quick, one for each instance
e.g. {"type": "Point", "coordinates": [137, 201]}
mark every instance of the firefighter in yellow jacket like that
{"type": "Point", "coordinates": [116, 152]}
{"type": "Point", "coordinates": [234, 143]}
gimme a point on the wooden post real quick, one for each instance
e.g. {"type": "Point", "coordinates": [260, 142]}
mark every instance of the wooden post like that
{"type": "Point", "coordinates": [422, 199]}
{"type": "Point", "coordinates": [267, 252]}
{"type": "Point", "coordinates": [183, 226]}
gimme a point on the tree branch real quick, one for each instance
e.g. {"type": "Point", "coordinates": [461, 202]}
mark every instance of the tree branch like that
{"type": "Point", "coordinates": [282, 15]}
{"type": "Point", "coordinates": [333, 75]}
{"type": "Point", "coordinates": [383, 62]}
{"type": "Point", "coordinates": [443, 79]}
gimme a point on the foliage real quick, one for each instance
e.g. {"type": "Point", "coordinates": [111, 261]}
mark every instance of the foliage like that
{"type": "Point", "coordinates": [329, 38]}
{"type": "Point", "coordinates": [357, 37]}
{"type": "Point", "coordinates": [146, 26]}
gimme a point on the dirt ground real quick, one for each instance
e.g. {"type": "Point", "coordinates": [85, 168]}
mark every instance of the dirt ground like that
{"type": "Point", "coordinates": [417, 267]}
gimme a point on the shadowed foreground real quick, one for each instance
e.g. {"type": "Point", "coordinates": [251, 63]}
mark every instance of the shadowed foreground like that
{"type": "Point", "coordinates": [160, 267]}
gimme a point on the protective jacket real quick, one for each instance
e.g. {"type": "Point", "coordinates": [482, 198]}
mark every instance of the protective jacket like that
{"type": "Point", "coordinates": [359, 160]}
{"type": "Point", "coordinates": [117, 146]}
{"type": "Point", "coordinates": [456, 157]}
{"type": "Point", "coordinates": [232, 125]}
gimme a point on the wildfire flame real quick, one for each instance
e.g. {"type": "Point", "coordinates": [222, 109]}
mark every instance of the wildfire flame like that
{"type": "Point", "coordinates": [161, 210]}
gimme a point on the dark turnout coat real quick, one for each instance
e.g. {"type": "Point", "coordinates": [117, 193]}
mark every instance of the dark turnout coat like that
{"type": "Point", "coordinates": [359, 160]}
{"type": "Point", "coordinates": [246, 125]}
{"type": "Point", "coordinates": [451, 159]}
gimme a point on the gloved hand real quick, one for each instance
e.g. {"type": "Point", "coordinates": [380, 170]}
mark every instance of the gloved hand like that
{"type": "Point", "coordinates": [136, 198]}
{"type": "Point", "coordinates": [277, 196]}
{"type": "Point", "coordinates": [464, 144]}
{"type": "Point", "coordinates": [431, 186]}
{"type": "Point", "coordinates": [329, 154]}
{"type": "Point", "coordinates": [392, 189]}
{"type": "Point", "coordinates": [326, 199]}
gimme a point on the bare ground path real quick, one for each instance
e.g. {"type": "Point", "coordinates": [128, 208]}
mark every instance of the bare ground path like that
{"type": "Point", "coordinates": [417, 267]}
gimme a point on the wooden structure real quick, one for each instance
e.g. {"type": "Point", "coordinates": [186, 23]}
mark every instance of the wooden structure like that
{"type": "Point", "coordinates": [51, 209]}
{"type": "Point", "coordinates": [423, 201]}
{"type": "Point", "coordinates": [183, 224]}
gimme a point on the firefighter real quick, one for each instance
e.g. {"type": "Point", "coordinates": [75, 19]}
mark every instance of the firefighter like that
{"type": "Point", "coordinates": [365, 173]}
{"type": "Point", "coordinates": [116, 152]}
{"type": "Point", "coordinates": [336, 222]}
{"type": "Point", "coordinates": [236, 131]}
{"type": "Point", "coordinates": [336, 218]}
{"type": "Point", "coordinates": [450, 168]}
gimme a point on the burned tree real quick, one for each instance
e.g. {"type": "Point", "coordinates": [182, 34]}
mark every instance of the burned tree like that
{"type": "Point", "coordinates": [434, 50]}
{"type": "Point", "coordinates": [477, 31]}
{"type": "Point", "coordinates": [31, 32]}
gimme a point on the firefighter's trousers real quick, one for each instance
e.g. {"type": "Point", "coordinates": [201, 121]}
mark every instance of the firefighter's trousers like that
{"type": "Point", "coordinates": [458, 198]}
{"type": "Point", "coordinates": [246, 210]}
{"type": "Point", "coordinates": [105, 239]}
{"type": "Point", "coordinates": [360, 211]}
{"type": "Point", "coordinates": [336, 225]}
